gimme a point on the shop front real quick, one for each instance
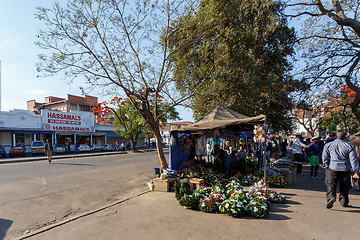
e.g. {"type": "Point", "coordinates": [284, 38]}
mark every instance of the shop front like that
{"type": "Point", "coordinates": [73, 128]}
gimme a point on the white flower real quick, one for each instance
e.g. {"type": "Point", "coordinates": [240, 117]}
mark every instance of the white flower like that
{"type": "Point", "coordinates": [255, 209]}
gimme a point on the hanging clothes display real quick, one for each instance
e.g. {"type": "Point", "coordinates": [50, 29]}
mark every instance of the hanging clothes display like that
{"type": "Point", "coordinates": [200, 146]}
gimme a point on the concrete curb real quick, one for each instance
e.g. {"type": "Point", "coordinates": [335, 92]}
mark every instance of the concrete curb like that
{"type": "Point", "coordinates": [64, 156]}
{"type": "Point", "coordinates": [71, 219]}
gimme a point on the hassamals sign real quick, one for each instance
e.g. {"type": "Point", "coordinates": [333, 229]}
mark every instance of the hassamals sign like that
{"type": "Point", "coordinates": [62, 121]}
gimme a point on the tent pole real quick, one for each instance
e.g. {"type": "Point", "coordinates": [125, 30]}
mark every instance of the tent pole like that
{"type": "Point", "coordinates": [264, 129]}
{"type": "Point", "coordinates": [246, 142]}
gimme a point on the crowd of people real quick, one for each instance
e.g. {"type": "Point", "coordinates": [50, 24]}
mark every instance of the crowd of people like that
{"type": "Point", "coordinates": [121, 147]}
{"type": "Point", "coordinates": [339, 155]}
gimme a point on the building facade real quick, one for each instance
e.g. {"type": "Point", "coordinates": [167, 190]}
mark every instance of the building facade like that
{"type": "Point", "coordinates": [60, 120]}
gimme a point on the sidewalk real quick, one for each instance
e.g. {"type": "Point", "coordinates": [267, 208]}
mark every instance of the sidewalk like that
{"type": "Point", "coordinates": [156, 215]}
{"type": "Point", "coordinates": [64, 156]}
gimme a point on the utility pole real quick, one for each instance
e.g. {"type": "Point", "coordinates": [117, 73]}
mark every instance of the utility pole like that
{"type": "Point", "coordinates": [0, 85]}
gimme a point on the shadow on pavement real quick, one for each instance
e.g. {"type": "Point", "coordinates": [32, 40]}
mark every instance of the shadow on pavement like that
{"type": "Point", "coordinates": [4, 226]}
{"type": "Point", "coordinates": [77, 164]}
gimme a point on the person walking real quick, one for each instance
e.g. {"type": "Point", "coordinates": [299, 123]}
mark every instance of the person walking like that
{"type": "Point", "coordinates": [356, 143]}
{"type": "Point", "coordinates": [48, 150]}
{"type": "Point", "coordinates": [338, 158]}
{"type": "Point", "coordinates": [68, 147]}
{"type": "Point", "coordinates": [332, 137]}
{"type": "Point", "coordinates": [314, 157]}
{"type": "Point", "coordinates": [208, 152]}
{"type": "Point", "coordinates": [297, 148]}
{"type": "Point", "coordinates": [284, 145]}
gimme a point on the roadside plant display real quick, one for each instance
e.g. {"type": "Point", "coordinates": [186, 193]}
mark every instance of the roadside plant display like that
{"type": "Point", "coordinates": [222, 195]}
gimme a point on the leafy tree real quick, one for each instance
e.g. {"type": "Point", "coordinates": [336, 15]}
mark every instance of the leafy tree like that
{"type": "Point", "coordinates": [126, 120]}
{"type": "Point", "coordinates": [116, 44]}
{"type": "Point", "coordinates": [340, 115]}
{"type": "Point", "coordinates": [330, 44]}
{"type": "Point", "coordinates": [250, 43]}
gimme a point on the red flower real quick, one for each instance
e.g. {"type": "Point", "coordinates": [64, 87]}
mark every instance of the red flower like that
{"type": "Point", "coordinates": [232, 192]}
{"type": "Point", "coordinates": [210, 197]}
{"type": "Point", "coordinates": [210, 204]}
{"type": "Point", "coordinates": [216, 199]}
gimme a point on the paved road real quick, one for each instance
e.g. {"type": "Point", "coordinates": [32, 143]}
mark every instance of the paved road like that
{"type": "Point", "coordinates": [36, 194]}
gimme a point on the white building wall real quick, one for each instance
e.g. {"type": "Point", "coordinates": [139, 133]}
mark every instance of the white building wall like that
{"type": "Point", "coordinates": [298, 128]}
{"type": "Point", "coordinates": [5, 140]}
{"type": "Point", "coordinates": [15, 119]}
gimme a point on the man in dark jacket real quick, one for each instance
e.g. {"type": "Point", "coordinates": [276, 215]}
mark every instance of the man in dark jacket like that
{"type": "Point", "coordinates": [48, 150]}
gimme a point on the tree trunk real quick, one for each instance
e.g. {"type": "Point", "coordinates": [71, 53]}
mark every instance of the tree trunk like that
{"type": "Point", "coordinates": [160, 149]}
{"type": "Point", "coordinates": [133, 144]}
{"type": "Point", "coordinates": [155, 128]}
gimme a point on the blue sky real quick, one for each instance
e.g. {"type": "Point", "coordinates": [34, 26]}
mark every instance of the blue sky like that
{"type": "Point", "coordinates": [18, 56]}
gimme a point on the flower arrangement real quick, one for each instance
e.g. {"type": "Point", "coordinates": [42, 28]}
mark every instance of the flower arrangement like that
{"type": "Point", "coordinates": [208, 205]}
{"type": "Point", "coordinates": [232, 208]}
{"type": "Point", "coordinates": [277, 181]}
{"type": "Point", "coordinates": [257, 209]}
{"type": "Point", "coordinates": [226, 195]}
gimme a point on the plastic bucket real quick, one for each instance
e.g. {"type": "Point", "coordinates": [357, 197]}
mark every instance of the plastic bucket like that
{"type": "Point", "coordinates": [156, 171]}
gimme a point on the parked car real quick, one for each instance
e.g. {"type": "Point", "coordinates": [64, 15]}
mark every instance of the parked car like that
{"type": "Point", "coordinates": [72, 148]}
{"type": "Point", "coordinates": [37, 147]}
{"type": "Point", "coordinates": [96, 148]}
{"type": "Point", "coordinates": [84, 148]}
{"type": "Point", "coordinates": [59, 148]}
{"type": "Point", "coordinates": [2, 152]}
{"type": "Point", "coordinates": [17, 151]}
{"type": "Point", "coordinates": [108, 147]}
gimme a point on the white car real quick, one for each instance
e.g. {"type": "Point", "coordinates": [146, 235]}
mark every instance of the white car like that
{"type": "Point", "coordinates": [37, 147]}
{"type": "Point", "coordinates": [84, 148]}
{"type": "Point", "coordinates": [59, 148]}
{"type": "Point", "coordinates": [108, 147]}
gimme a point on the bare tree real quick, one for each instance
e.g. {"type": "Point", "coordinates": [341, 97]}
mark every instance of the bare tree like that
{"type": "Point", "coordinates": [331, 43]}
{"type": "Point", "coordinates": [310, 112]}
{"type": "Point", "coordinates": [119, 45]}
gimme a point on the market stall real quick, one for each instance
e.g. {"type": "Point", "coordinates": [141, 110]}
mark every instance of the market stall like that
{"type": "Point", "coordinates": [214, 124]}
{"type": "Point", "coordinates": [199, 185]}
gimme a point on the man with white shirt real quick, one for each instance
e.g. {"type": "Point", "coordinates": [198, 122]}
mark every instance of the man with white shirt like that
{"type": "Point", "coordinates": [297, 148]}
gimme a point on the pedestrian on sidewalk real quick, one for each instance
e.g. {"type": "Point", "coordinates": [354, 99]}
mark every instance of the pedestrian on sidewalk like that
{"type": "Point", "coordinates": [297, 148]}
{"type": "Point", "coordinates": [332, 137]}
{"type": "Point", "coordinates": [338, 158]}
{"type": "Point", "coordinates": [356, 143]}
{"type": "Point", "coordinates": [284, 145]}
{"type": "Point", "coordinates": [208, 152]}
{"type": "Point", "coordinates": [48, 150]}
{"type": "Point", "coordinates": [314, 157]}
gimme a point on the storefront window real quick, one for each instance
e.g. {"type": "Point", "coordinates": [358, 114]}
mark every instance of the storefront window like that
{"type": "Point", "coordinates": [19, 139]}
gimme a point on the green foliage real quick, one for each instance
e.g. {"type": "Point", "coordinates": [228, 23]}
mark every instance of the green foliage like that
{"type": "Point", "coordinates": [340, 116]}
{"type": "Point", "coordinates": [177, 191]}
{"type": "Point", "coordinates": [188, 201]}
{"type": "Point", "coordinates": [242, 53]}
{"type": "Point", "coordinates": [126, 119]}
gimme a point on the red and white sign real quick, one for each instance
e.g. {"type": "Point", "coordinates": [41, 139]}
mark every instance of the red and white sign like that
{"type": "Point", "coordinates": [63, 121]}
